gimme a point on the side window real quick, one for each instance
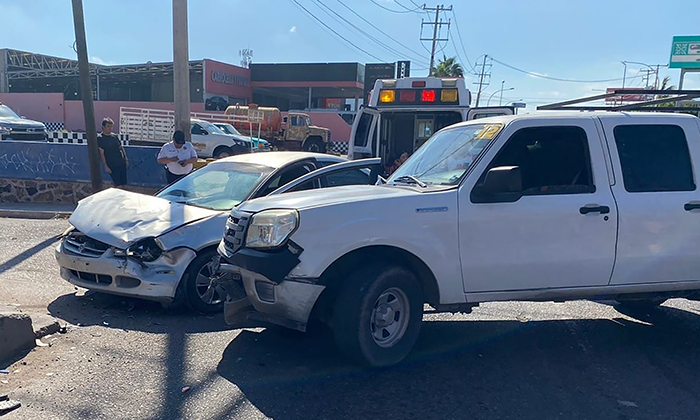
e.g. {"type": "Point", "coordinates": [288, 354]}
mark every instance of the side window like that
{"type": "Point", "coordinates": [288, 175]}
{"type": "Point", "coordinates": [196, 129]}
{"type": "Point", "coordinates": [347, 177]}
{"type": "Point", "coordinates": [296, 121]}
{"type": "Point", "coordinates": [552, 160]}
{"type": "Point", "coordinates": [362, 132]}
{"type": "Point", "coordinates": [654, 158]}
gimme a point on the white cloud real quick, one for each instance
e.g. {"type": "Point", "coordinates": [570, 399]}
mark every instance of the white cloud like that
{"type": "Point", "coordinates": [293, 29]}
{"type": "Point", "coordinates": [97, 60]}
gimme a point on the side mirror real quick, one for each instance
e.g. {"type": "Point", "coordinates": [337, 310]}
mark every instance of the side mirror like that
{"type": "Point", "coordinates": [501, 185]}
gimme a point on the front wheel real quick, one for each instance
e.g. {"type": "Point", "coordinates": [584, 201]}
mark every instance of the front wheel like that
{"type": "Point", "coordinates": [202, 287]}
{"type": "Point", "coordinates": [315, 145]}
{"type": "Point", "coordinates": [222, 152]}
{"type": "Point", "coordinates": [378, 315]}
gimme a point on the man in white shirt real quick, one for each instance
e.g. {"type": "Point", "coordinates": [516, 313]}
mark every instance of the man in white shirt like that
{"type": "Point", "coordinates": [177, 156]}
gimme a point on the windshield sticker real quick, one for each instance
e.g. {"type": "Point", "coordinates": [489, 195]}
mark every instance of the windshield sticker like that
{"type": "Point", "coordinates": [488, 132]}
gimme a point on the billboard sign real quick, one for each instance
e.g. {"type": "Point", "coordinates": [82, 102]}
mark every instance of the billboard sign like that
{"type": "Point", "coordinates": [226, 80]}
{"type": "Point", "coordinates": [685, 52]}
{"type": "Point", "coordinates": [627, 97]}
{"type": "Point", "coordinates": [374, 72]}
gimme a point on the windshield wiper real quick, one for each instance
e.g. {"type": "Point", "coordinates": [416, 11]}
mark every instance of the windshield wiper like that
{"type": "Point", "coordinates": [410, 179]}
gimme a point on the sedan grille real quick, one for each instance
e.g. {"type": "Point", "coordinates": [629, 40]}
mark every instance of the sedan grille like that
{"type": "Point", "coordinates": [235, 230]}
{"type": "Point", "coordinates": [79, 244]}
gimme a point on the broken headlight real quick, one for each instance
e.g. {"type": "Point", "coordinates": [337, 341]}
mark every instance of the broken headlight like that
{"type": "Point", "coordinates": [146, 250]}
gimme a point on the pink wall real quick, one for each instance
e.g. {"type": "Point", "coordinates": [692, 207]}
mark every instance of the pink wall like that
{"type": "Point", "coordinates": [75, 120]}
{"type": "Point", "coordinates": [44, 107]}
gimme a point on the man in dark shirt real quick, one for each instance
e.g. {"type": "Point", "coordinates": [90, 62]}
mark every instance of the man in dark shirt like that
{"type": "Point", "coordinates": [112, 153]}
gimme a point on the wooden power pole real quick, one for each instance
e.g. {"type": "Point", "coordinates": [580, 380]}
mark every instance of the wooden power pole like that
{"type": "Point", "coordinates": [86, 93]}
{"type": "Point", "coordinates": [437, 24]}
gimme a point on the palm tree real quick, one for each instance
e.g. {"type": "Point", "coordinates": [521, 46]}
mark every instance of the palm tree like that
{"type": "Point", "coordinates": [448, 67]}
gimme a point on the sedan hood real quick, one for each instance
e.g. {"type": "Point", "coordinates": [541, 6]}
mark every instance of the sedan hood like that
{"type": "Point", "coordinates": [120, 218]}
{"type": "Point", "coordinates": [329, 196]}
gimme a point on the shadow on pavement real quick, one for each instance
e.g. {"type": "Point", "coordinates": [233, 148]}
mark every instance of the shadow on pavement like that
{"type": "Point", "coordinates": [572, 369]}
{"type": "Point", "coordinates": [26, 254]}
{"type": "Point", "coordinates": [131, 314]}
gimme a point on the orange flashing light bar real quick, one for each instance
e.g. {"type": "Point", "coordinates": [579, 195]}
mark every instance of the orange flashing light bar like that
{"type": "Point", "coordinates": [386, 96]}
{"type": "Point", "coordinates": [448, 95]}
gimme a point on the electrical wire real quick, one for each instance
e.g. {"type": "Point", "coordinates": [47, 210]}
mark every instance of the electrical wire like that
{"type": "Point", "coordinates": [461, 41]}
{"type": "Point", "coordinates": [410, 10]}
{"type": "Point", "coordinates": [558, 79]}
{"type": "Point", "coordinates": [335, 32]}
{"type": "Point", "coordinates": [391, 10]}
{"type": "Point", "coordinates": [379, 29]}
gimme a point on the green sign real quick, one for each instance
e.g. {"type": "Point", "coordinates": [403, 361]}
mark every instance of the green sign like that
{"type": "Point", "coordinates": [685, 52]}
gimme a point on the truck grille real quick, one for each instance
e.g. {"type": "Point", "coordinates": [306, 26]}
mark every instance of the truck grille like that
{"type": "Point", "coordinates": [235, 230]}
{"type": "Point", "coordinates": [79, 244]}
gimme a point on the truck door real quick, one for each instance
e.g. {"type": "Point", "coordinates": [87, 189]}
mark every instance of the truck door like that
{"type": "Point", "coordinates": [558, 230]}
{"type": "Point", "coordinates": [363, 135]}
{"type": "Point", "coordinates": [657, 197]}
{"type": "Point", "coordinates": [476, 113]}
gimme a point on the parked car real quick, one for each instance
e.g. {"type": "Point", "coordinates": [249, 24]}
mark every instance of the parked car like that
{"type": "Point", "coordinates": [14, 127]}
{"type": "Point", "coordinates": [215, 103]}
{"type": "Point", "coordinates": [163, 247]}
{"type": "Point", "coordinates": [259, 145]}
{"type": "Point", "coordinates": [210, 141]}
{"type": "Point", "coordinates": [534, 207]}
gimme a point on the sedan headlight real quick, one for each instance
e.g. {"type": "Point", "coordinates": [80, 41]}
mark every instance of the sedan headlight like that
{"type": "Point", "coordinates": [271, 228]}
{"type": "Point", "coordinates": [147, 250]}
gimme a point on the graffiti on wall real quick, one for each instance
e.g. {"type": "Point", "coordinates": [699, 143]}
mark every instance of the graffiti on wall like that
{"type": "Point", "coordinates": [69, 162]}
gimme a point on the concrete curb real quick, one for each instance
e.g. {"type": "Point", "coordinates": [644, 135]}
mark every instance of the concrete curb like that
{"type": "Point", "coordinates": [34, 214]}
{"type": "Point", "coordinates": [16, 334]}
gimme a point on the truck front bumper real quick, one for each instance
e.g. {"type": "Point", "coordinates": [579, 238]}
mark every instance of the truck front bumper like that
{"type": "Point", "coordinates": [259, 289]}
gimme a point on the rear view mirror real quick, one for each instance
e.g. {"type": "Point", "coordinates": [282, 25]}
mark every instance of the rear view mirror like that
{"type": "Point", "coordinates": [501, 185]}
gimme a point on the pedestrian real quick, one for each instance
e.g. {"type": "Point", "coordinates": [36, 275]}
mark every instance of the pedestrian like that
{"type": "Point", "coordinates": [112, 153]}
{"type": "Point", "coordinates": [178, 156]}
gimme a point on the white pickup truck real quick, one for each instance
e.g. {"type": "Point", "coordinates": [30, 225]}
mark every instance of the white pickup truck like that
{"type": "Point", "coordinates": [541, 207]}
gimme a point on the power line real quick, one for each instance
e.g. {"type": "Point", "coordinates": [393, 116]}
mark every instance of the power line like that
{"type": "Point", "coordinates": [542, 76]}
{"type": "Point", "coordinates": [372, 38]}
{"type": "Point", "coordinates": [437, 25]}
{"type": "Point", "coordinates": [410, 10]}
{"type": "Point", "coordinates": [335, 32]}
{"type": "Point", "coordinates": [418, 54]}
{"type": "Point", "coordinates": [390, 10]}
{"type": "Point", "coordinates": [461, 41]}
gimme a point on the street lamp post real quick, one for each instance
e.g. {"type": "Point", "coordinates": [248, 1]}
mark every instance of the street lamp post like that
{"type": "Point", "coordinates": [498, 91]}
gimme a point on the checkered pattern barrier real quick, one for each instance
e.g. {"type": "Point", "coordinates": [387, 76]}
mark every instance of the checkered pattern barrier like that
{"type": "Point", "coordinates": [339, 147]}
{"type": "Point", "coordinates": [77, 138]}
{"type": "Point", "coordinates": [54, 126]}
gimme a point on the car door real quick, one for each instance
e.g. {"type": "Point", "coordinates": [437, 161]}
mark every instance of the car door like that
{"type": "Point", "coordinates": [199, 141]}
{"type": "Point", "coordinates": [560, 230]}
{"type": "Point", "coordinates": [657, 197]}
{"type": "Point", "coordinates": [363, 134]}
{"type": "Point", "coordinates": [354, 172]}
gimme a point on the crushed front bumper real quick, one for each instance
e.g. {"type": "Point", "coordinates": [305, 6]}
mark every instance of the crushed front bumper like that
{"type": "Point", "coordinates": [123, 276]}
{"type": "Point", "coordinates": [259, 290]}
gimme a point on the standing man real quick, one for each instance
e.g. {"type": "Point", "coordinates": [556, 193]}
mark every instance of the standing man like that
{"type": "Point", "coordinates": [112, 153]}
{"type": "Point", "coordinates": [178, 156]}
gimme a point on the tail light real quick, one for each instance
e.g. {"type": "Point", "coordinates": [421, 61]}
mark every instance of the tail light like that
{"type": "Point", "coordinates": [428, 95]}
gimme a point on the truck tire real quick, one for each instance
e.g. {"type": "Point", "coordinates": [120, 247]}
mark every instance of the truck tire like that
{"type": "Point", "coordinates": [222, 152]}
{"type": "Point", "coordinates": [378, 314]}
{"type": "Point", "coordinates": [315, 145]}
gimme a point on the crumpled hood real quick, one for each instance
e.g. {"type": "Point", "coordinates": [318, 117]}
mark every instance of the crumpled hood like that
{"type": "Point", "coordinates": [119, 218]}
{"type": "Point", "coordinates": [326, 196]}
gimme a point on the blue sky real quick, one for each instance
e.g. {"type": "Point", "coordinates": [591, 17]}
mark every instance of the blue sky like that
{"type": "Point", "coordinates": [581, 40]}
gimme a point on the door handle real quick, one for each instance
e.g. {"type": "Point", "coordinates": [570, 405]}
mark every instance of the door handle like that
{"type": "Point", "coordinates": [592, 208]}
{"type": "Point", "coordinates": [691, 205]}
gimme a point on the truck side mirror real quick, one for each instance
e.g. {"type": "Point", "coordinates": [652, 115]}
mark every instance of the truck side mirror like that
{"type": "Point", "coordinates": [502, 184]}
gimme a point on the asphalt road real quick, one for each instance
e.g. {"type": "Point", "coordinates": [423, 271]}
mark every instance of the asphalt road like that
{"type": "Point", "coordinates": [130, 359]}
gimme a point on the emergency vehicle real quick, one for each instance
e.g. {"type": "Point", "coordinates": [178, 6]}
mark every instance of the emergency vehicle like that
{"type": "Point", "coordinates": [403, 113]}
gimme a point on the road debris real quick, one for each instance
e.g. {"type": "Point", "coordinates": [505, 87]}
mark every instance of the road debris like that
{"type": "Point", "coordinates": [8, 405]}
{"type": "Point", "coordinates": [627, 403]}
{"type": "Point", "coordinates": [186, 389]}
{"type": "Point", "coordinates": [5, 371]}
{"type": "Point", "coordinates": [40, 343]}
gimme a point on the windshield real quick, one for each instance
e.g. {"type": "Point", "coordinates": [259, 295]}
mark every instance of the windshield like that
{"type": "Point", "coordinates": [211, 128]}
{"type": "Point", "coordinates": [6, 112]}
{"type": "Point", "coordinates": [217, 186]}
{"type": "Point", "coordinates": [447, 155]}
{"type": "Point", "coordinates": [229, 129]}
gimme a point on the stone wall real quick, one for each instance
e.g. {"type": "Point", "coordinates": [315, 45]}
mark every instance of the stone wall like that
{"type": "Point", "coordinates": [37, 191]}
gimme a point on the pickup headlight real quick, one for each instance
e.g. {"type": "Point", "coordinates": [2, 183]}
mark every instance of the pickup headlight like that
{"type": "Point", "coordinates": [271, 228]}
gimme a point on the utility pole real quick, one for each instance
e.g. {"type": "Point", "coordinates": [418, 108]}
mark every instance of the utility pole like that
{"type": "Point", "coordinates": [483, 75]}
{"type": "Point", "coordinates": [437, 24]}
{"type": "Point", "coordinates": [86, 93]}
{"type": "Point", "coordinates": [181, 68]}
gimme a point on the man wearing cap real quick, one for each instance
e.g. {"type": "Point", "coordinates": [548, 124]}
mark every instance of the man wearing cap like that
{"type": "Point", "coordinates": [178, 156]}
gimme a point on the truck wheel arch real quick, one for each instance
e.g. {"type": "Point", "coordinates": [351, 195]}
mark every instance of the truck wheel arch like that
{"type": "Point", "coordinates": [364, 256]}
{"type": "Point", "coordinates": [315, 138]}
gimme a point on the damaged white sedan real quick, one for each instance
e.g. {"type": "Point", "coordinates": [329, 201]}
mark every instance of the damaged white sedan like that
{"type": "Point", "coordinates": [163, 248]}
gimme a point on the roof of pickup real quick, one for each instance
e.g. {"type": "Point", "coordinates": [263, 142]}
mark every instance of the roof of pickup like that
{"type": "Point", "coordinates": [575, 114]}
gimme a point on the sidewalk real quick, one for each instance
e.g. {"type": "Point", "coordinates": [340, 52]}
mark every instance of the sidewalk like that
{"type": "Point", "coordinates": [36, 210]}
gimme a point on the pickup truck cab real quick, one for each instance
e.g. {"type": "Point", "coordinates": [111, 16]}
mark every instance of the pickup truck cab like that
{"type": "Point", "coordinates": [540, 207]}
